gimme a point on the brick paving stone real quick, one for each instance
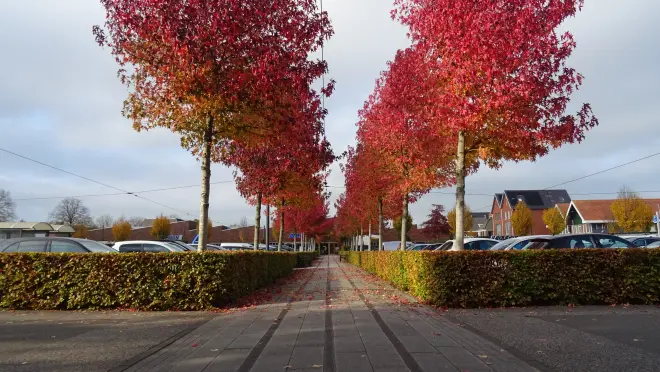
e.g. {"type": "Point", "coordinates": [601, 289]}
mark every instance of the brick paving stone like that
{"type": "Point", "coordinates": [351, 361]}
{"type": "Point", "coordinates": [375, 328]}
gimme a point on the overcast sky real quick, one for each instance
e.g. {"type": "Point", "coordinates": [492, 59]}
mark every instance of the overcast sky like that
{"type": "Point", "coordinates": [60, 103]}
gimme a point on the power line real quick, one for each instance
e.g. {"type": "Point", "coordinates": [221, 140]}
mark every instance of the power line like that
{"type": "Point", "coordinates": [119, 193]}
{"type": "Point", "coordinates": [594, 174]}
{"type": "Point", "coordinates": [603, 171]}
{"type": "Point", "coordinates": [94, 181]}
{"type": "Point", "coordinates": [62, 170]}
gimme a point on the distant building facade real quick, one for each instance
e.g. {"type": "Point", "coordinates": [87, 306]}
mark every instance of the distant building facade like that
{"type": "Point", "coordinates": [537, 201]}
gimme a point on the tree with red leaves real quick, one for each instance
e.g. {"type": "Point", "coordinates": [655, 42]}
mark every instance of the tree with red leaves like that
{"type": "Point", "coordinates": [437, 225]}
{"type": "Point", "coordinates": [395, 127]}
{"type": "Point", "coordinates": [213, 71]}
{"type": "Point", "coordinates": [311, 219]}
{"type": "Point", "coordinates": [499, 84]}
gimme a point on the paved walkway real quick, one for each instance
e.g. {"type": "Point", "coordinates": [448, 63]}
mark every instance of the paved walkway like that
{"type": "Point", "coordinates": [331, 317]}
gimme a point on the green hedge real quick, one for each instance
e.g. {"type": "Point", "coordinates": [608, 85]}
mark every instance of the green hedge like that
{"type": "Point", "coordinates": [305, 259]}
{"type": "Point", "coordinates": [548, 277]}
{"type": "Point", "coordinates": [145, 281]}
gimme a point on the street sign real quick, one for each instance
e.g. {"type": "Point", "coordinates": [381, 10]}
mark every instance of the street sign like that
{"type": "Point", "coordinates": [295, 236]}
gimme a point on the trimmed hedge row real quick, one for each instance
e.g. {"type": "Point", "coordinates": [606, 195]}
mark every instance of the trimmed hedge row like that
{"type": "Point", "coordinates": [543, 277]}
{"type": "Point", "coordinates": [305, 259]}
{"type": "Point", "coordinates": [143, 281]}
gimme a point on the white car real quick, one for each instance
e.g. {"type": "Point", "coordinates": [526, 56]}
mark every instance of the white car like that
{"type": "Point", "coordinates": [146, 246]}
{"type": "Point", "coordinates": [470, 244]}
{"type": "Point", "coordinates": [523, 241]}
{"type": "Point", "coordinates": [236, 246]}
{"type": "Point", "coordinates": [515, 243]}
{"type": "Point", "coordinates": [210, 247]}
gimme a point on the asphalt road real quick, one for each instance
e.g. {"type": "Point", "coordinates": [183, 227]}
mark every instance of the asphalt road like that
{"type": "Point", "coordinates": [84, 341]}
{"type": "Point", "coordinates": [594, 338]}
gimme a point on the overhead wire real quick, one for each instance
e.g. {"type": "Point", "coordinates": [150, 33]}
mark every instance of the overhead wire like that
{"type": "Point", "coordinates": [99, 183]}
{"type": "Point", "coordinates": [594, 174]}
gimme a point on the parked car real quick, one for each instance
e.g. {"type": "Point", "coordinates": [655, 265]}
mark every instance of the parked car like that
{"type": "Point", "coordinates": [643, 241]}
{"type": "Point", "coordinates": [210, 247]}
{"type": "Point", "coordinates": [655, 244]}
{"type": "Point", "coordinates": [425, 247]}
{"type": "Point", "coordinates": [503, 244]}
{"type": "Point", "coordinates": [470, 244]}
{"type": "Point", "coordinates": [417, 247]}
{"type": "Point", "coordinates": [236, 246]}
{"type": "Point", "coordinates": [520, 242]}
{"type": "Point", "coordinates": [53, 245]}
{"type": "Point", "coordinates": [577, 241]}
{"type": "Point", "coordinates": [394, 245]}
{"type": "Point", "coordinates": [181, 244]}
{"type": "Point", "coordinates": [147, 246]}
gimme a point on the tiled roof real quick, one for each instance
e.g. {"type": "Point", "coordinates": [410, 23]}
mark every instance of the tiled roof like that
{"type": "Point", "coordinates": [537, 199]}
{"type": "Point", "coordinates": [563, 208]}
{"type": "Point", "coordinates": [498, 197]}
{"type": "Point", "coordinates": [479, 220]}
{"type": "Point", "coordinates": [600, 210]}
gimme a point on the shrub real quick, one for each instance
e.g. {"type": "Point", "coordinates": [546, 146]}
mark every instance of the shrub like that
{"type": "Point", "coordinates": [144, 281]}
{"type": "Point", "coordinates": [305, 259]}
{"type": "Point", "coordinates": [552, 277]}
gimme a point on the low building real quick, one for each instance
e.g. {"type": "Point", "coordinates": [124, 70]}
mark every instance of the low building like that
{"type": "Point", "coordinates": [595, 216]}
{"type": "Point", "coordinates": [63, 231]}
{"type": "Point", "coordinates": [9, 230]}
{"type": "Point", "coordinates": [480, 224]}
{"type": "Point", "coordinates": [537, 201]}
{"type": "Point", "coordinates": [179, 230]}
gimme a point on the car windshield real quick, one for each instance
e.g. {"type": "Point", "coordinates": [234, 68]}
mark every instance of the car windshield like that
{"type": "Point", "coordinates": [446, 246]}
{"type": "Point", "coordinates": [96, 247]}
{"type": "Point", "coordinates": [536, 244]}
{"type": "Point", "coordinates": [503, 244]}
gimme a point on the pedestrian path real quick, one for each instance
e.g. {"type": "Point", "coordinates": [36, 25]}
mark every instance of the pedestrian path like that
{"type": "Point", "coordinates": [331, 317]}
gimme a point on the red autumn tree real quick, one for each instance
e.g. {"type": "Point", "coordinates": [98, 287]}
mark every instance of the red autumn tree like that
{"type": "Point", "coordinates": [394, 126]}
{"type": "Point", "coordinates": [437, 225]}
{"type": "Point", "coordinates": [268, 170]}
{"type": "Point", "coordinates": [499, 85]}
{"type": "Point", "coordinates": [213, 71]}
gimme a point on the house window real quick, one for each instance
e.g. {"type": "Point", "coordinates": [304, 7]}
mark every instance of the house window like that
{"type": "Point", "coordinates": [508, 228]}
{"type": "Point", "coordinates": [498, 229]}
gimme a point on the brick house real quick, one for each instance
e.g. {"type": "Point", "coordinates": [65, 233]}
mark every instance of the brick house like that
{"type": "Point", "coordinates": [537, 201]}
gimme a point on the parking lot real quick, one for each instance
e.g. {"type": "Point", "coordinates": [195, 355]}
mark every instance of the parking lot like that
{"type": "Point", "coordinates": [591, 338]}
{"type": "Point", "coordinates": [85, 341]}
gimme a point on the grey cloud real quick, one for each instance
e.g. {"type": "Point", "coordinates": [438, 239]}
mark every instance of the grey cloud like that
{"type": "Point", "coordinates": [60, 102]}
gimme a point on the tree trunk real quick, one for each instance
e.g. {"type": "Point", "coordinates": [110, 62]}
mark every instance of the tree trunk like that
{"type": "Point", "coordinates": [267, 232]}
{"type": "Point", "coordinates": [279, 240]}
{"type": "Point", "coordinates": [294, 241]}
{"type": "Point", "coordinates": [404, 222]}
{"type": "Point", "coordinates": [206, 186]}
{"type": "Point", "coordinates": [460, 192]}
{"type": "Point", "coordinates": [257, 222]}
{"type": "Point", "coordinates": [369, 246]}
{"type": "Point", "coordinates": [380, 224]}
{"type": "Point", "coordinates": [361, 238]}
